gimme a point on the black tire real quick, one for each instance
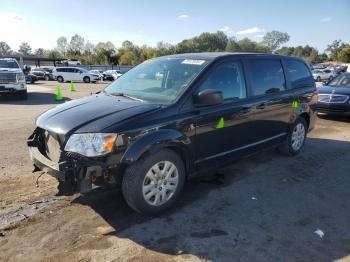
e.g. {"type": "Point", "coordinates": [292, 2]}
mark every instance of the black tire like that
{"type": "Point", "coordinates": [60, 79]}
{"type": "Point", "coordinates": [47, 78]}
{"type": "Point", "coordinates": [86, 79]}
{"type": "Point", "coordinates": [134, 176]}
{"type": "Point", "coordinates": [318, 79]}
{"type": "Point", "coordinates": [330, 78]}
{"type": "Point", "coordinates": [286, 148]}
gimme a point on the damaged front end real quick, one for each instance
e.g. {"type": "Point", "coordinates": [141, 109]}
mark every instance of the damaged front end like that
{"type": "Point", "coordinates": [75, 172]}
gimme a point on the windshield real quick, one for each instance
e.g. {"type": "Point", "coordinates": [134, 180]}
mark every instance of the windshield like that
{"type": "Point", "coordinates": [158, 80]}
{"type": "Point", "coordinates": [342, 80]}
{"type": "Point", "coordinates": [8, 64]}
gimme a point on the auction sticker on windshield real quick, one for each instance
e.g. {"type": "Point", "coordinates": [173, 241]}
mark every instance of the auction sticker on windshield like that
{"type": "Point", "coordinates": [193, 62]}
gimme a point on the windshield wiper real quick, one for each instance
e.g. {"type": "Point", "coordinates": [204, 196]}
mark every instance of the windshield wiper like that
{"type": "Point", "coordinates": [124, 95]}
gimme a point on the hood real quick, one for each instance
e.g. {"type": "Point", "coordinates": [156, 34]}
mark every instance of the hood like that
{"type": "Point", "coordinates": [334, 90]}
{"type": "Point", "coordinates": [91, 114]}
{"type": "Point", "coordinates": [10, 70]}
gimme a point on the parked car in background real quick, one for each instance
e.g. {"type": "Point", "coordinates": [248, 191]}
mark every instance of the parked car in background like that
{"type": "Point", "coordinates": [97, 72]}
{"type": "Point", "coordinates": [334, 97]}
{"type": "Point", "coordinates": [43, 73]}
{"type": "Point", "coordinates": [75, 74]}
{"type": "Point", "coordinates": [322, 75]}
{"type": "Point", "coordinates": [112, 75]}
{"type": "Point", "coordinates": [150, 135]}
{"type": "Point", "coordinates": [12, 78]}
{"type": "Point", "coordinates": [71, 62]}
{"type": "Point", "coordinates": [31, 79]}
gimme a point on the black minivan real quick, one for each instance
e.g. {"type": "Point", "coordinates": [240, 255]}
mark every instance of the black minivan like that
{"type": "Point", "coordinates": [172, 118]}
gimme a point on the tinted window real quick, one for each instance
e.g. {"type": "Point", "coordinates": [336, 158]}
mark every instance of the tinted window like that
{"type": "Point", "coordinates": [298, 73]}
{"type": "Point", "coordinates": [70, 70]}
{"type": "Point", "coordinates": [60, 70]}
{"type": "Point", "coordinates": [266, 76]}
{"type": "Point", "coordinates": [229, 79]}
{"type": "Point", "coordinates": [327, 71]}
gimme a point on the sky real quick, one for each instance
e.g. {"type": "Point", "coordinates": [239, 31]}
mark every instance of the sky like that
{"type": "Point", "coordinates": [313, 22]}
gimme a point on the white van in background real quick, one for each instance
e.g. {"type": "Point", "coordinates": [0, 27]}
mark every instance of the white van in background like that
{"type": "Point", "coordinates": [75, 74]}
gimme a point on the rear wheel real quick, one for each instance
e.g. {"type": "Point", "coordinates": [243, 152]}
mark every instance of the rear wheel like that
{"type": "Point", "coordinates": [295, 139]}
{"type": "Point", "coordinates": [47, 78]}
{"type": "Point", "coordinates": [154, 183]}
{"type": "Point", "coordinates": [60, 79]}
{"type": "Point", "coordinates": [86, 79]}
{"type": "Point", "coordinates": [318, 79]}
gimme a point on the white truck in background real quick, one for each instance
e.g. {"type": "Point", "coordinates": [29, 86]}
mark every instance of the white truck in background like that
{"type": "Point", "coordinates": [12, 78]}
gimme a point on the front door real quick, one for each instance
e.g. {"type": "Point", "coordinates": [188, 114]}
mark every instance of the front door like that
{"type": "Point", "coordinates": [223, 130]}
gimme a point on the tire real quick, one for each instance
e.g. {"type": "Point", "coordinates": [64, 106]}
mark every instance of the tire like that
{"type": "Point", "coordinates": [47, 78]}
{"type": "Point", "coordinates": [290, 149]}
{"type": "Point", "coordinates": [330, 78]}
{"type": "Point", "coordinates": [318, 79]}
{"type": "Point", "coordinates": [136, 184]}
{"type": "Point", "coordinates": [86, 79]}
{"type": "Point", "coordinates": [60, 79]}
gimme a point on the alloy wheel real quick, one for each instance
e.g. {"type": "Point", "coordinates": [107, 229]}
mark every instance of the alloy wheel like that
{"type": "Point", "coordinates": [160, 183]}
{"type": "Point", "coordinates": [298, 136]}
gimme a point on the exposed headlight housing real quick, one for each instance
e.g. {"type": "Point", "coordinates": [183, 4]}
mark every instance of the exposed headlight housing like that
{"type": "Point", "coordinates": [91, 144]}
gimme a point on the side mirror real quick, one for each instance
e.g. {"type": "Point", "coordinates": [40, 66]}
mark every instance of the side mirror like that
{"type": "Point", "coordinates": [208, 97]}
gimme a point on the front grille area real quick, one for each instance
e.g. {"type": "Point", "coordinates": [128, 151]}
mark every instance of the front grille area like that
{"type": "Point", "coordinates": [8, 78]}
{"type": "Point", "coordinates": [52, 146]}
{"type": "Point", "coordinates": [332, 98]}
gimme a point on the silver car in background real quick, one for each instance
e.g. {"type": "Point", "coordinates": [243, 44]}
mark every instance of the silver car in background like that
{"type": "Point", "coordinates": [323, 75]}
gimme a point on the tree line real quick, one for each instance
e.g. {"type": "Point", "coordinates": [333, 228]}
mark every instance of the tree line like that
{"type": "Point", "coordinates": [105, 53]}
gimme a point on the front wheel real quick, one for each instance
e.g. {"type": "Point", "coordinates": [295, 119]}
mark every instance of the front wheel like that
{"type": "Point", "coordinates": [154, 183]}
{"type": "Point", "coordinates": [295, 139]}
{"type": "Point", "coordinates": [86, 79]}
{"type": "Point", "coordinates": [60, 79]}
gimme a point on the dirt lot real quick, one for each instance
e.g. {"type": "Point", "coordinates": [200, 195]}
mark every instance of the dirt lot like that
{"type": "Point", "coordinates": [263, 208]}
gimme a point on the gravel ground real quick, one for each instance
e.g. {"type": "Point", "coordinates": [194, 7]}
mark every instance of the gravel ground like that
{"type": "Point", "coordinates": [262, 208]}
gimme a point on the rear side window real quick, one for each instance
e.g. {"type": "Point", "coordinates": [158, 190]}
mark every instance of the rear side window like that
{"type": "Point", "coordinates": [266, 76]}
{"type": "Point", "coordinates": [229, 79]}
{"type": "Point", "coordinates": [60, 70]}
{"type": "Point", "coordinates": [298, 74]}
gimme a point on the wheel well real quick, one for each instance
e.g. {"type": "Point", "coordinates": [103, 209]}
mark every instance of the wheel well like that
{"type": "Point", "coordinates": [306, 117]}
{"type": "Point", "coordinates": [178, 150]}
{"type": "Point", "coordinates": [182, 153]}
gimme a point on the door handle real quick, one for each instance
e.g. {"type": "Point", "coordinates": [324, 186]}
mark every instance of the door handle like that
{"type": "Point", "coordinates": [245, 110]}
{"type": "Point", "coordinates": [261, 106]}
